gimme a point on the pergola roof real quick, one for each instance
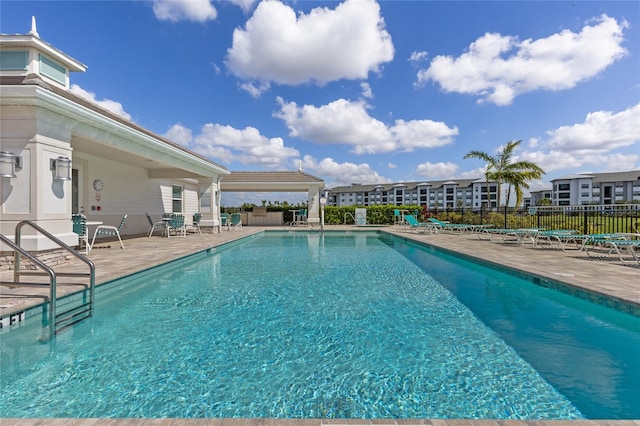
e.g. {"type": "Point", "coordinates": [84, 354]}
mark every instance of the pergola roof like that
{"type": "Point", "coordinates": [270, 182]}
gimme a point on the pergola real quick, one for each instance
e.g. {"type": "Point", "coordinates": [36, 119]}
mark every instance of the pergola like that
{"type": "Point", "coordinates": [277, 182]}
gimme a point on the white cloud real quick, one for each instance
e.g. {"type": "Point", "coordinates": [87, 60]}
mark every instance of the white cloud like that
{"type": "Point", "coordinates": [180, 135]}
{"type": "Point", "coordinates": [187, 10]}
{"type": "Point", "coordinates": [255, 89]}
{"type": "Point", "coordinates": [392, 165]}
{"type": "Point", "coordinates": [247, 146]}
{"type": "Point", "coordinates": [346, 122]}
{"type": "Point", "coordinates": [245, 5]}
{"type": "Point", "coordinates": [498, 68]}
{"type": "Point", "coordinates": [418, 56]}
{"type": "Point", "coordinates": [341, 174]}
{"type": "Point", "coordinates": [324, 45]}
{"type": "Point", "coordinates": [366, 90]}
{"type": "Point", "coordinates": [602, 131]}
{"type": "Point", "coordinates": [433, 170]}
{"type": "Point", "coordinates": [108, 104]}
{"type": "Point", "coordinates": [592, 142]}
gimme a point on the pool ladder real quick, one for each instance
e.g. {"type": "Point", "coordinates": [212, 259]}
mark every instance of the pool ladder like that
{"type": "Point", "coordinates": [55, 321]}
{"type": "Point", "coordinates": [358, 219]}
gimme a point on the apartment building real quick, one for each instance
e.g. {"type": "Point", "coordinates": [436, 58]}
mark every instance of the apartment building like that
{"type": "Point", "coordinates": [596, 188]}
{"type": "Point", "coordinates": [445, 194]}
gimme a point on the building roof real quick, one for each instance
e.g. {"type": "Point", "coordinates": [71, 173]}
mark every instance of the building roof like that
{"type": "Point", "coordinates": [35, 80]}
{"type": "Point", "coordinates": [434, 184]}
{"type": "Point", "coordinates": [630, 175]}
{"type": "Point", "coordinates": [270, 181]}
{"type": "Point", "coordinates": [32, 40]}
{"type": "Point", "coordinates": [617, 176]}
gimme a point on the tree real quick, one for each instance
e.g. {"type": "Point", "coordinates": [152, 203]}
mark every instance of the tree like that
{"type": "Point", "coordinates": [500, 169]}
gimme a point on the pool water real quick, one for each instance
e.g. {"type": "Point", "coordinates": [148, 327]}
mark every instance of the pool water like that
{"type": "Point", "coordinates": [329, 325]}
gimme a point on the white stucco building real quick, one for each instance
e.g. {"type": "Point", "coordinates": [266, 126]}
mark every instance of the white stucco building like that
{"type": "Point", "coordinates": [108, 165]}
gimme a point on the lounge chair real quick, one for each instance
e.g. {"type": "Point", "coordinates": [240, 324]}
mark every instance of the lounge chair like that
{"type": "Point", "coordinates": [80, 228]}
{"type": "Point", "coordinates": [555, 238]}
{"type": "Point", "coordinates": [455, 227]}
{"type": "Point", "coordinates": [612, 243]}
{"type": "Point", "coordinates": [510, 235]}
{"type": "Point", "coordinates": [154, 225]}
{"type": "Point", "coordinates": [415, 225]}
{"type": "Point", "coordinates": [236, 221]}
{"type": "Point", "coordinates": [632, 247]}
{"type": "Point", "coordinates": [177, 226]}
{"type": "Point", "coordinates": [110, 231]}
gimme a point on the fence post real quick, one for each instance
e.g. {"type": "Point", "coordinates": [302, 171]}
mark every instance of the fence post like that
{"type": "Point", "coordinates": [505, 217]}
{"type": "Point", "coordinates": [585, 222]}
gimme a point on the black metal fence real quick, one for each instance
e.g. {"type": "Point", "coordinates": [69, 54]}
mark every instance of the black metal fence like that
{"type": "Point", "coordinates": [587, 219]}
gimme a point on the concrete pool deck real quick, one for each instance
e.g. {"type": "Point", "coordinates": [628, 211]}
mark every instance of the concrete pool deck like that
{"type": "Point", "coordinates": [600, 276]}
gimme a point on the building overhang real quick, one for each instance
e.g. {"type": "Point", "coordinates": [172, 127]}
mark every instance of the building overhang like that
{"type": "Point", "coordinates": [96, 132]}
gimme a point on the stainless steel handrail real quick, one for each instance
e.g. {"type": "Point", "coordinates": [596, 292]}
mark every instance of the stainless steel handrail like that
{"type": "Point", "coordinates": [19, 252]}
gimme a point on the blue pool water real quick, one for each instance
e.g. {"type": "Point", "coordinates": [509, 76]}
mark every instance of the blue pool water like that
{"type": "Point", "coordinates": [332, 325]}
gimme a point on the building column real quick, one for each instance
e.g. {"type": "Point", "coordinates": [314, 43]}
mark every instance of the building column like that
{"type": "Point", "coordinates": [313, 210]}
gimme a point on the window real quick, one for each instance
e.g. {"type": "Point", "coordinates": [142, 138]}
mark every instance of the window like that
{"type": "Point", "coordinates": [564, 187]}
{"type": "Point", "coordinates": [176, 199]}
{"type": "Point", "coordinates": [13, 60]}
{"type": "Point", "coordinates": [564, 195]}
{"type": "Point", "coordinates": [205, 201]}
{"type": "Point", "coordinates": [52, 70]}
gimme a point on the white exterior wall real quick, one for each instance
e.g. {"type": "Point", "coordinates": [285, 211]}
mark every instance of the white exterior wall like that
{"type": "Point", "coordinates": [34, 194]}
{"type": "Point", "coordinates": [128, 189]}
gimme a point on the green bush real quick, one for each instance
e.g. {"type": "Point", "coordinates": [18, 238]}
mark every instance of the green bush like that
{"type": "Point", "coordinates": [376, 215]}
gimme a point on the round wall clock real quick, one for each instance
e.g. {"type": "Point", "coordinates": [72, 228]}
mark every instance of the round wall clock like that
{"type": "Point", "coordinates": [98, 185]}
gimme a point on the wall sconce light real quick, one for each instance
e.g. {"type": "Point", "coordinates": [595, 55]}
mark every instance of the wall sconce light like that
{"type": "Point", "coordinates": [61, 167]}
{"type": "Point", "coordinates": [9, 163]}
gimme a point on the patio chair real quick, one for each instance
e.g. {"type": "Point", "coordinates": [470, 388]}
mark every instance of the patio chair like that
{"type": "Point", "coordinates": [80, 228]}
{"type": "Point", "coordinates": [196, 222]}
{"type": "Point", "coordinates": [224, 220]}
{"type": "Point", "coordinates": [154, 225]}
{"type": "Point", "coordinates": [236, 221]}
{"type": "Point", "coordinates": [302, 217]}
{"type": "Point", "coordinates": [177, 226]}
{"type": "Point", "coordinates": [397, 217]}
{"type": "Point", "coordinates": [109, 231]}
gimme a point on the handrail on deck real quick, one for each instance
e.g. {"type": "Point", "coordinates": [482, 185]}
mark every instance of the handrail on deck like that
{"type": "Point", "coordinates": [19, 252]}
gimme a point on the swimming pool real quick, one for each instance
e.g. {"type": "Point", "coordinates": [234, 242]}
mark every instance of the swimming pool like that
{"type": "Point", "coordinates": [331, 325]}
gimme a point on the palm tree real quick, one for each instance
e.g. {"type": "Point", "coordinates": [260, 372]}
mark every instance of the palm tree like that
{"type": "Point", "coordinates": [501, 170]}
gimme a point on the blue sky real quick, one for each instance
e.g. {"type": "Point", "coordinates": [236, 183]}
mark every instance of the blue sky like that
{"type": "Point", "coordinates": [359, 90]}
